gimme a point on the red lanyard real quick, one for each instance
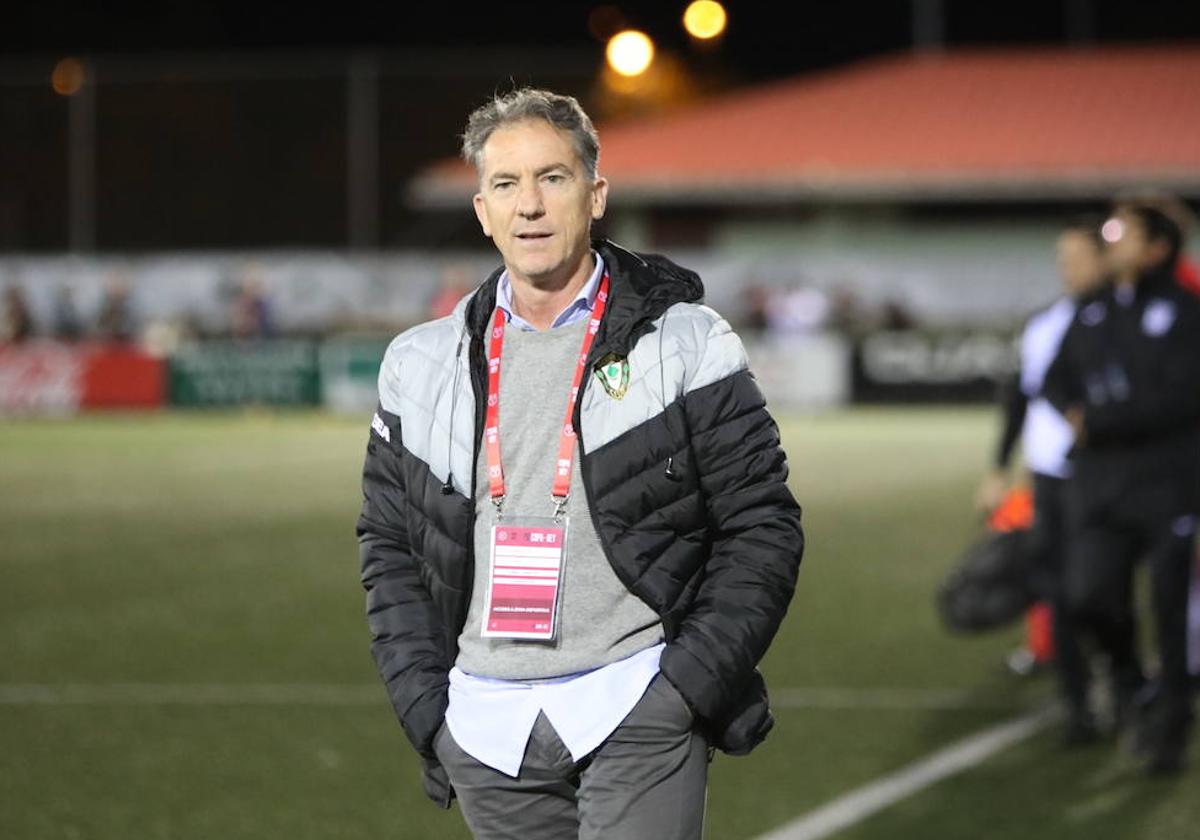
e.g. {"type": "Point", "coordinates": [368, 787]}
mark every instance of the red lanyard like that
{"type": "Point", "coordinates": [566, 444]}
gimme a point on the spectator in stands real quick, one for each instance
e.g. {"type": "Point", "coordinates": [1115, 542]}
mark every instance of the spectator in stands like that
{"type": "Point", "coordinates": [67, 326]}
{"type": "Point", "coordinates": [457, 281]}
{"type": "Point", "coordinates": [846, 311]}
{"type": "Point", "coordinates": [17, 323]}
{"type": "Point", "coordinates": [896, 316]}
{"type": "Point", "coordinates": [250, 313]}
{"type": "Point", "coordinates": [758, 305]}
{"type": "Point", "coordinates": [115, 321]}
{"type": "Point", "coordinates": [798, 309]}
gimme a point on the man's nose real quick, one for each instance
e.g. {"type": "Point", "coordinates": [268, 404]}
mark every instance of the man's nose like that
{"type": "Point", "coordinates": [529, 203]}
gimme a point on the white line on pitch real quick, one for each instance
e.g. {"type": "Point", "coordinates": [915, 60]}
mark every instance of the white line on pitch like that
{"type": "Point", "coordinates": [857, 805]}
{"type": "Point", "coordinates": [368, 694]}
{"type": "Point", "coordinates": [903, 699]}
{"type": "Point", "coordinates": [197, 694]}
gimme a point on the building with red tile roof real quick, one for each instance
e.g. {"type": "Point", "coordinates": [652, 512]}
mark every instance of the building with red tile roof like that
{"type": "Point", "coordinates": [1028, 124]}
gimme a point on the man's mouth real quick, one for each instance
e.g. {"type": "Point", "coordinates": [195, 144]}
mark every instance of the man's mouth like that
{"type": "Point", "coordinates": [533, 235]}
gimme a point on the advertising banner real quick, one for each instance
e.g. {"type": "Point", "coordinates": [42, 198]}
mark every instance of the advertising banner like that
{"type": "Point", "coordinates": [40, 377]}
{"type": "Point", "coordinates": [349, 370]}
{"type": "Point", "coordinates": [920, 366]}
{"type": "Point", "coordinates": [226, 373]}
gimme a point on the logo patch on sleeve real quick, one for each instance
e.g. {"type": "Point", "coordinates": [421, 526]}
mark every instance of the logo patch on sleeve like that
{"type": "Point", "coordinates": [381, 428]}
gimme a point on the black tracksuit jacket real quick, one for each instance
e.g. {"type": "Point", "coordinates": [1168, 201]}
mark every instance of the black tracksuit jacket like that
{"type": "Point", "coordinates": [714, 549]}
{"type": "Point", "coordinates": [1133, 365]}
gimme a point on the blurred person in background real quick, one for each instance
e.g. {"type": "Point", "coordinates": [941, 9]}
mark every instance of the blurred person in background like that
{"type": "Point", "coordinates": [250, 311]}
{"type": "Point", "coordinates": [1187, 272]}
{"type": "Point", "coordinates": [895, 315]}
{"type": "Point", "coordinates": [115, 319]}
{"type": "Point", "coordinates": [797, 309]}
{"type": "Point", "coordinates": [67, 326]}
{"type": "Point", "coordinates": [758, 304]}
{"type": "Point", "coordinates": [16, 325]}
{"type": "Point", "coordinates": [1127, 378]}
{"type": "Point", "coordinates": [594, 711]}
{"type": "Point", "coordinates": [457, 281]}
{"type": "Point", "coordinates": [1046, 437]}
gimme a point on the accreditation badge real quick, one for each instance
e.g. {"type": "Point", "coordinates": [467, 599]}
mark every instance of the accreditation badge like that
{"type": "Point", "coordinates": [525, 578]}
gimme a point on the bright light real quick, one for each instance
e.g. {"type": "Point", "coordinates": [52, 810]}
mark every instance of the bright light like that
{"type": "Point", "coordinates": [704, 19]}
{"type": "Point", "coordinates": [630, 52]}
{"type": "Point", "coordinates": [1112, 230]}
{"type": "Point", "coordinates": [68, 76]}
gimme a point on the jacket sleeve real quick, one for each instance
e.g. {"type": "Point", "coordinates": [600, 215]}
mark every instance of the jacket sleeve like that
{"type": "Point", "coordinates": [1062, 387]}
{"type": "Point", "coordinates": [756, 536]}
{"type": "Point", "coordinates": [1013, 404]}
{"type": "Point", "coordinates": [1164, 400]}
{"type": "Point", "coordinates": [406, 628]}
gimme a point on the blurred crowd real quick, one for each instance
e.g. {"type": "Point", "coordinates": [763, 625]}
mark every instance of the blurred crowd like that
{"type": "Point", "coordinates": [115, 318]}
{"type": "Point", "coordinates": [807, 308]}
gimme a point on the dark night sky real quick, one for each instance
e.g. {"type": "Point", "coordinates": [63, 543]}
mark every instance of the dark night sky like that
{"type": "Point", "coordinates": [212, 159]}
{"type": "Point", "coordinates": [762, 41]}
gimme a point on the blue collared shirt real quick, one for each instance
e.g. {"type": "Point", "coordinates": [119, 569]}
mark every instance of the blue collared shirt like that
{"type": "Point", "coordinates": [583, 304]}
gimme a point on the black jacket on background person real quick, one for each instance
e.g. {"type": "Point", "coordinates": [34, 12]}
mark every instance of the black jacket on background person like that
{"type": "Point", "coordinates": [1132, 363]}
{"type": "Point", "coordinates": [685, 481]}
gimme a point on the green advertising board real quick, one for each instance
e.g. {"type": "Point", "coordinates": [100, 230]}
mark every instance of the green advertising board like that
{"type": "Point", "coordinates": [224, 373]}
{"type": "Point", "coordinates": [349, 370]}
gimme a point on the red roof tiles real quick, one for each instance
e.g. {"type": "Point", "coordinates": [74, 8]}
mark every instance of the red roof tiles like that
{"type": "Point", "coordinates": [980, 122]}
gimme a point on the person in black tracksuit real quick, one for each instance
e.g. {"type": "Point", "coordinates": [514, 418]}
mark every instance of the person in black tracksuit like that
{"type": "Point", "coordinates": [1046, 438]}
{"type": "Point", "coordinates": [1127, 378]}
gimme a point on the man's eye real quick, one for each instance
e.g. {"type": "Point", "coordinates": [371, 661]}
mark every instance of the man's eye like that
{"type": "Point", "coordinates": [555, 179]}
{"type": "Point", "coordinates": [501, 185]}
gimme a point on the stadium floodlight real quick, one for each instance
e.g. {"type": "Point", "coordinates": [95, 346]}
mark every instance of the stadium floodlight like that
{"type": "Point", "coordinates": [68, 77]}
{"type": "Point", "coordinates": [630, 52]}
{"type": "Point", "coordinates": [704, 19]}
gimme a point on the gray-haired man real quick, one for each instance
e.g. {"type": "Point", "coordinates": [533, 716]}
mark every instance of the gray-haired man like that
{"type": "Point", "coordinates": [577, 539]}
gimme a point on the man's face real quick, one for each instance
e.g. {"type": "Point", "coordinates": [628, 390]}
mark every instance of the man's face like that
{"type": "Point", "coordinates": [1080, 262]}
{"type": "Point", "coordinates": [537, 202]}
{"type": "Point", "coordinates": [1130, 250]}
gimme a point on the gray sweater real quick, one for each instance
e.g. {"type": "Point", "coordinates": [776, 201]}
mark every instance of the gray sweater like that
{"type": "Point", "coordinates": [600, 621]}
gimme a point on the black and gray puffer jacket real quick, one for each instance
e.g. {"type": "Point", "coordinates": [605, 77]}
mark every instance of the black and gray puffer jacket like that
{"type": "Point", "coordinates": [712, 544]}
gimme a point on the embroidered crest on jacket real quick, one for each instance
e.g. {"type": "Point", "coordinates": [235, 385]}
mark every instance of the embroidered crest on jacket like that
{"type": "Point", "coordinates": [613, 373]}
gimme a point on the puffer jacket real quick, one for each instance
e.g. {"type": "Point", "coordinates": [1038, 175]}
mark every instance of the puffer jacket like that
{"type": "Point", "coordinates": [685, 481]}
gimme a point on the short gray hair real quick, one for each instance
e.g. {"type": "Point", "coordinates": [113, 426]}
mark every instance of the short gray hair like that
{"type": "Point", "coordinates": [561, 111]}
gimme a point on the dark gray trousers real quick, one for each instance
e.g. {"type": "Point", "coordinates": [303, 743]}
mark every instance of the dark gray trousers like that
{"type": "Point", "coordinates": [647, 781]}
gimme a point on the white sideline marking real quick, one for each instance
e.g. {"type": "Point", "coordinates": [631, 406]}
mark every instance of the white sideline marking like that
{"type": "Point", "coordinates": [368, 694]}
{"type": "Point", "coordinates": [900, 699]}
{"type": "Point", "coordinates": [857, 805]}
{"type": "Point", "coordinates": [198, 694]}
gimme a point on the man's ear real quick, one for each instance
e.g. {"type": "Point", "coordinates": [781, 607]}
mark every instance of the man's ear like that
{"type": "Point", "coordinates": [599, 197]}
{"type": "Point", "coordinates": [481, 214]}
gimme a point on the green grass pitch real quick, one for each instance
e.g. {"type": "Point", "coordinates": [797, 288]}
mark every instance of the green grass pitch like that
{"type": "Point", "coordinates": [189, 585]}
